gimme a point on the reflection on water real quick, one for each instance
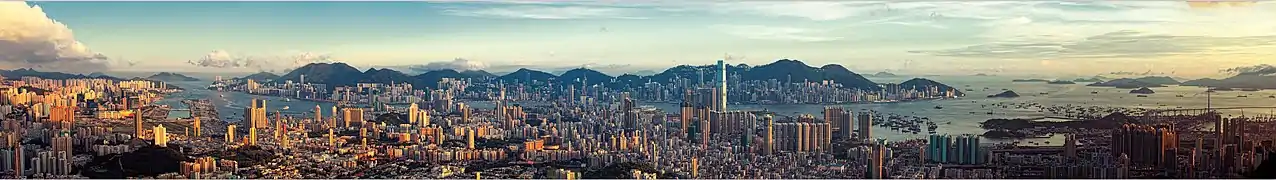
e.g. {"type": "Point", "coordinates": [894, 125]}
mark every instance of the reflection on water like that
{"type": "Point", "coordinates": [954, 118]}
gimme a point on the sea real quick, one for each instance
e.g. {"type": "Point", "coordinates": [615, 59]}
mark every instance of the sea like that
{"type": "Point", "coordinates": [957, 116]}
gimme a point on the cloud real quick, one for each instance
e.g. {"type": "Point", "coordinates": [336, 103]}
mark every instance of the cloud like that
{"type": "Point", "coordinates": [459, 64]}
{"type": "Point", "coordinates": [224, 59]}
{"type": "Point", "coordinates": [29, 39]}
{"type": "Point", "coordinates": [813, 10]}
{"type": "Point", "coordinates": [1120, 44]}
{"type": "Point", "coordinates": [546, 12]}
{"type": "Point", "coordinates": [1261, 70]}
{"type": "Point", "coordinates": [219, 59]}
{"type": "Point", "coordinates": [774, 33]}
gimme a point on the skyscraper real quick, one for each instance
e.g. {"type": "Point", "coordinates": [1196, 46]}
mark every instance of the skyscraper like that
{"type": "Point", "coordinates": [197, 125]}
{"type": "Point", "coordinates": [137, 123]}
{"type": "Point", "coordinates": [770, 134]}
{"type": "Point", "coordinates": [354, 115]}
{"type": "Point", "coordinates": [161, 136]}
{"type": "Point", "coordinates": [252, 136]}
{"type": "Point", "coordinates": [319, 114]}
{"type": "Point", "coordinates": [876, 161]}
{"type": "Point", "coordinates": [255, 114]}
{"type": "Point", "coordinates": [865, 127]}
{"type": "Point", "coordinates": [230, 133]}
{"type": "Point", "coordinates": [1070, 147]}
{"type": "Point", "coordinates": [722, 86]}
{"type": "Point", "coordinates": [840, 119]}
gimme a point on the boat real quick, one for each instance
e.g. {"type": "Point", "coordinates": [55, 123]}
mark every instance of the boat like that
{"type": "Point", "coordinates": [1094, 92]}
{"type": "Point", "coordinates": [939, 107]}
{"type": "Point", "coordinates": [285, 108]}
{"type": "Point", "coordinates": [1180, 95]}
{"type": "Point", "coordinates": [1249, 89]}
{"type": "Point", "coordinates": [287, 100]}
{"type": "Point", "coordinates": [1141, 96]}
{"type": "Point", "coordinates": [1271, 96]}
{"type": "Point", "coordinates": [1242, 96]}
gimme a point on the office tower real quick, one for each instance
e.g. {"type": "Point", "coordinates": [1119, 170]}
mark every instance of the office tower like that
{"type": "Point", "coordinates": [353, 115]}
{"type": "Point", "coordinates": [722, 87]}
{"type": "Point", "coordinates": [230, 133]}
{"type": "Point", "coordinates": [770, 134]}
{"type": "Point", "coordinates": [319, 115]}
{"type": "Point", "coordinates": [252, 136]}
{"type": "Point", "coordinates": [161, 136]}
{"type": "Point", "coordinates": [137, 123]}
{"type": "Point", "coordinates": [255, 114]}
{"type": "Point", "coordinates": [876, 161]}
{"type": "Point", "coordinates": [866, 124]}
{"type": "Point", "coordinates": [469, 138]}
{"type": "Point", "coordinates": [197, 125]}
{"type": "Point", "coordinates": [1070, 147]}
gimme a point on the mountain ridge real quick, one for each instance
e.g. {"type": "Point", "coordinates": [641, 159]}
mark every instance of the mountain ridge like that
{"type": "Point", "coordinates": [784, 70]}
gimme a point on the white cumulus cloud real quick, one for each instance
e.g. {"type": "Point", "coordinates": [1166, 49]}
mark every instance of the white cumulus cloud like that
{"type": "Point", "coordinates": [29, 39]}
{"type": "Point", "coordinates": [459, 64]}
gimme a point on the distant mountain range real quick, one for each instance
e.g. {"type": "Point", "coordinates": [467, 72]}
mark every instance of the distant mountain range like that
{"type": "Point", "coordinates": [261, 76]}
{"type": "Point", "coordinates": [1238, 81]}
{"type": "Point", "coordinates": [24, 72]}
{"type": "Point", "coordinates": [167, 76]}
{"type": "Point", "coordinates": [1128, 83]}
{"type": "Point", "coordinates": [784, 70]}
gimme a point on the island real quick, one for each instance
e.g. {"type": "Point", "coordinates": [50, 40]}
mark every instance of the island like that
{"type": "Point", "coordinates": [1060, 82]}
{"type": "Point", "coordinates": [1126, 83]}
{"type": "Point", "coordinates": [168, 76]}
{"type": "Point", "coordinates": [1092, 79]}
{"type": "Point", "coordinates": [1143, 90]}
{"type": "Point", "coordinates": [1006, 94]}
{"type": "Point", "coordinates": [884, 74]}
{"type": "Point", "coordinates": [1014, 128]}
{"type": "Point", "coordinates": [1237, 82]}
{"type": "Point", "coordinates": [1029, 80]}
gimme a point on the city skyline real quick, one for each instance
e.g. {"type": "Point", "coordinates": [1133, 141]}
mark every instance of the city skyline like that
{"type": "Point", "coordinates": [1056, 38]}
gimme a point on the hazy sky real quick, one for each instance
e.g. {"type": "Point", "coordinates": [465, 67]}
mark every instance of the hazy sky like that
{"type": "Point", "coordinates": [1082, 38]}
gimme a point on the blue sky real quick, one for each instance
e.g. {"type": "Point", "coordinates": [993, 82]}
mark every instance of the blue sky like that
{"type": "Point", "coordinates": [913, 37]}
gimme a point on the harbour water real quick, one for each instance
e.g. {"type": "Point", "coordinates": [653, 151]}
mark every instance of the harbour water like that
{"type": "Point", "coordinates": [958, 116]}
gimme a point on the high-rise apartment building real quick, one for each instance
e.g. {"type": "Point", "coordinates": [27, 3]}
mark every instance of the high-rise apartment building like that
{"type": "Point", "coordinates": [866, 126]}
{"type": "Point", "coordinates": [255, 114]}
{"type": "Point", "coordinates": [161, 136]}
